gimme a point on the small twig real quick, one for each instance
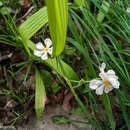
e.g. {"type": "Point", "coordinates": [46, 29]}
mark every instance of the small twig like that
{"type": "Point", "coordinates": [6, 57]}
{"type": "Point", "coordinates": [26, 14]}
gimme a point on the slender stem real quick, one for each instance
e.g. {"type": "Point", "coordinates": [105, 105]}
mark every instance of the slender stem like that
{"type": "Point", "coordinates": [123, 108]}
{"type": "Point", "coordinates": [80, 102]}
{"type": "Point", "coordinates": [107, 105]}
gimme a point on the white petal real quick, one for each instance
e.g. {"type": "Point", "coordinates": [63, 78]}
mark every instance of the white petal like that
{"type": "Point", "coordinates": [50, 50]}
{"type": "Point", "coordinates": [111, 72]}
{"type": "Point", "coordinates": [103, 76]}
{"type": "Point", "coordinates": [115, 83]}
{"type": "Point", "coordinates": [102, 67]}
{"type": "Point", "coordinates": [128, 10]}
{"type": "Point", "coordinates": [112, 77]}
{"type": "Point", "coordinates": [38, 53]}
{"type": "Point", "coordinates": [99, 91]}
{"type": "Point", "coordinates": [107, 90]}
{"type": "Point", "coordinates": [44, 57]}
{"type": "Point", "coordinates": [113, 80]}
{"type": "Point", "coordinates": [48, 42]}
{"type": "Point", "coordinates": [95, 84]}
{"type": "Point", "coordinates": [39, 45]}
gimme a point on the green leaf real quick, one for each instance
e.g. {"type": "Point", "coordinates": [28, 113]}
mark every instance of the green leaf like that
{"type": "Point", "coordinates": [30, 44]}
{"type": "Point", "coordinates": [85, 53]}
{"type": "Point", "coordinates": [69, 50]}
{"type": "Point", "coordinates": [56, 88]}
{"type": "Point", "coordinates": [47, 77]}
{"type": "Point", "coordinates": [123, 108]}
{"type": "Point", "coordinates": [5, 10]}
{"type": "Point", "coordinates": [107, 105]}
{"type": "Point", "coordinates": [80, 2]}
{"type": "Point", "coordinates": [60, 119]}
{"type": "Point", "coordinates": [127, 104]}
{"type": "Point", "coordinates": [102, 12]}
{"type": "Point", "coordinates": [33, 24]}
{"type": "Point", "coordinates": [64, 119]}
{"type": "Point", "coordinates": [73, 29]}
{"type": "Point", "coordinates": [1, 3]}
{"type": "Point", "coordinates": [57, 18]}
{"type": "Point", "coordinates": [62, 68]}
{"type": "Point", "coordinates": [40, 94]}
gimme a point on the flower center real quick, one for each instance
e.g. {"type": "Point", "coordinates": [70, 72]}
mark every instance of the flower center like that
{"type": "Point", "coordinates": [45, 49]}
{"type": "Point", "coordinates": [107, 84]}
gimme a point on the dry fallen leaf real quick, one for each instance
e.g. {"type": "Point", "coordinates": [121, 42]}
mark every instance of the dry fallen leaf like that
{"type": "Point", "coordinates": [66, 103]}
{"type": "Point", "coordinates": [25, 3]}
{"type": "Point", "coordinates": [11, 103]}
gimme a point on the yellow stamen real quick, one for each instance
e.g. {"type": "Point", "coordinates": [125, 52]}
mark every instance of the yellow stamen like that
{"type": "Point", "coordinates": [45, 49]}
{"type": "Point", "coordinates": [107, 84]}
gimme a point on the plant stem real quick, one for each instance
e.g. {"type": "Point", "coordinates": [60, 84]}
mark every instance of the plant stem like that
{"type": "Point", "coordinates": [80, 102]}
{"type": "Point", "coordinates": [107, 105]}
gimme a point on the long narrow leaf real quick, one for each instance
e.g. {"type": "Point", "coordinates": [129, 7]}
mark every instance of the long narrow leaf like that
{"type": "Point", "coordinates": [67, 71]}
{"type": "Point", "coordinates": [80, 2]}
{"type": "Point", "coordinates": [33, 24]}
{"type": "Point", "coordinates": [57, 18]}
{"type": "Point", "coordinates": [40, 94]}
{"type": "Point", "coordinates": [86, 55]}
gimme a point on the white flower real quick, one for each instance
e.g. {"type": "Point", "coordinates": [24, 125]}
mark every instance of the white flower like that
{"type": "Point", "coordinates": [128, 10]}
{"type": "Point", "coordinates": [43, 50]}
{"type": "Point", "coordinates": [108, 81]}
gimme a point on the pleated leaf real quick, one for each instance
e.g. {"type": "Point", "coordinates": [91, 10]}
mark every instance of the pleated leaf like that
{"type": "Point", "coordinates": [61, 67]}
{"type": "Point", "coordinates": [33, 24]}
{"type": "Point", "coordinates": [40, 94]}
{"type": "Point", "coordinates": [57, 19]}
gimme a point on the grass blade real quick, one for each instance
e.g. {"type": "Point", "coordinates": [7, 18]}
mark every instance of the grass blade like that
{"type": "Point", "coordinates": [123, 108]}
{"type": "Point", "coordinates": [86, 55]}
{"type": "Point", "coordinates": [107, 105]}
{"type": "Point", "coordinates": [80, 2]}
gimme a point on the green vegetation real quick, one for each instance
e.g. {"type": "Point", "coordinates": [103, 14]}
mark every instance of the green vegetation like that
{"type": "Point", "coordinates": [84, 34]}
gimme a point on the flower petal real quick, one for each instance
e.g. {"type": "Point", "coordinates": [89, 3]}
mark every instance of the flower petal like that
{"type": "Point", "coordinates": [112, 77]}
{"type": "Point", "coordinates": [103, 76]}
{"type": "Point", "coordinates": [48, 42]}
{"type": "Point", "coordinates": [115, 83]}
{"type": "Point", "coordinates": [99, 90]}
{"type": "Point", "coordinates": [38, 53]}
{"type": "Point", "coordinates": [111, 72]}
{"type": "Point", "coordinates": [39, 45]}
{"type": "Point", "coordinates": [95, 84]}
{"type": "Point", "coordinates": [107, 90]}
{"type": "Point", "coordinates": [128, 10]}
{"type": "Point", "coordinates": [44, 56]}
{"type": "Point", "coordinates": [102, 67]}
{"type": "Point", "coordinates": [50, 50]}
